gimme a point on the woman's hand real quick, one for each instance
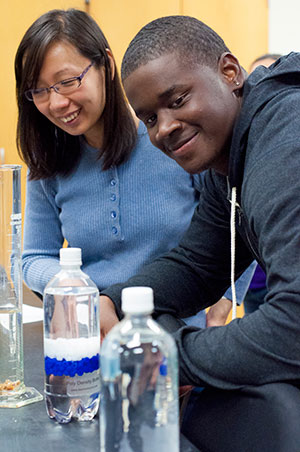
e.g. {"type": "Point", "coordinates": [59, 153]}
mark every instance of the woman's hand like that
{"type": "Point", "coordinates": [108, 316]}
{"type": "Point", "coordinates": [218, 313]}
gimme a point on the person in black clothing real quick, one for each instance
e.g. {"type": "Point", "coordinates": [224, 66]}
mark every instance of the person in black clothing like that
{"type": "Point", "coordinates": [202, 110]}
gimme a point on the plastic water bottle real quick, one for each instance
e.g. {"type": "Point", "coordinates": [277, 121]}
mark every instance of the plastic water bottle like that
{"type": "Point", "coordinates": [139, 381]}
{"type": "Point", "coordinates": [71, 342]}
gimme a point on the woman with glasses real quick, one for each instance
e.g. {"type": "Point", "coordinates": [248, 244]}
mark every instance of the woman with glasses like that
{"type": "Point", "coordinates": [94, 178]}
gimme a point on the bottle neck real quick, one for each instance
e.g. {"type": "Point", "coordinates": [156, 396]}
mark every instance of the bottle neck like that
{"type": "Point", "coordinates": [134, 316]}
{"type": "Point", "coordinates": [73, 267]}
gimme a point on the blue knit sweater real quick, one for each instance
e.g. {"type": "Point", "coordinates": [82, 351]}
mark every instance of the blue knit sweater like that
{"type": "Point", "coordinates": [121, 218]}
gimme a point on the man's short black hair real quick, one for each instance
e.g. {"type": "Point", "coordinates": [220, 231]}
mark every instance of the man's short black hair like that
{"type": "Point", "coordinates": [194, 42]}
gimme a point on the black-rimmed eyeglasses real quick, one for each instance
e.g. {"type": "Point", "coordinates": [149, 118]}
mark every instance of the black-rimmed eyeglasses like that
{"type": "Point", "coordinates": [64, 87]}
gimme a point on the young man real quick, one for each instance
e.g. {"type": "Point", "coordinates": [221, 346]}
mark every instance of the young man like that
{"type": "Point", "coordinates": [202, 110]}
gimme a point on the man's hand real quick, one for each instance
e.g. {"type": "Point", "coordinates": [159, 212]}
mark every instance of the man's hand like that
{"type": "Point", "coordinates": [218, 313]}
{"type": "Point", "coordinates": [108, 316]}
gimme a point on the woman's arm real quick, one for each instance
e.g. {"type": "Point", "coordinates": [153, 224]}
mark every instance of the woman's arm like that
{"type": "Point", "coordinates": [42, 235]}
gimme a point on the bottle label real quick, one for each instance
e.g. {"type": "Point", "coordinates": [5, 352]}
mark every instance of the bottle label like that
{"type": "Point", "coordinates": [88, 383]}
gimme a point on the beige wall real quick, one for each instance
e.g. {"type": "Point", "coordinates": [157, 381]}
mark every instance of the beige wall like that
{"type": "Point", "coordinates": [120, 23]}
{"type": "Point", "coordinates": [242, 23]}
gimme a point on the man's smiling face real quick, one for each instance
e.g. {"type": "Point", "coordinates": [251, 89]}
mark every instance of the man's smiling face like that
{"type": "Point", "coordinates": [189, 109]}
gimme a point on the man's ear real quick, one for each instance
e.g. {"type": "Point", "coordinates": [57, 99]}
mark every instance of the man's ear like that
{"type": "Point", "coordinates": [111, 62]}
{"type": "Point", "coordinates": [230, 69]}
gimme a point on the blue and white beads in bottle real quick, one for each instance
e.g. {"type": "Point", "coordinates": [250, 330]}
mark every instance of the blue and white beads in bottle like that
{"type": "Point", "coordinates": [71, 342]}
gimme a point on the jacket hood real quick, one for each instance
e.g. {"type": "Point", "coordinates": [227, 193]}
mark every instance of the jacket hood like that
{"type": "Point", "coordinates": [260, 87]}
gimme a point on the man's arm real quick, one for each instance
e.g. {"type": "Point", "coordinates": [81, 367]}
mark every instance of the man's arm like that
{"type": "Point", "coordinates": [263, 347]}
{"type": "Point", "coordinates": [259, 348]}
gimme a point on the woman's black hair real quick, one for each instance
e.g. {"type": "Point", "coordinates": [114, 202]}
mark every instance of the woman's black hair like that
{"type": "Point", "coordinates": [46, 149]}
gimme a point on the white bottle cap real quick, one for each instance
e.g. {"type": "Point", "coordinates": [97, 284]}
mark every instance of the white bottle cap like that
{"type": "Point", "coordinates": [137, 300]}
{"type": "Point", "coordinates": [70, 256]}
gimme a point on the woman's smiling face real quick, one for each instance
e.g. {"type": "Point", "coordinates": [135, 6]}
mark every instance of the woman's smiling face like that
{"type": "Point", "coordinates": [78, 113]}
{"type": "Point", "coordinates": [189, 110]}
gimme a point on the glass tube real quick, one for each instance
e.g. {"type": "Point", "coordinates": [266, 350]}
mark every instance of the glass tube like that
{"type": "Point", "coordinates": [13, 392]}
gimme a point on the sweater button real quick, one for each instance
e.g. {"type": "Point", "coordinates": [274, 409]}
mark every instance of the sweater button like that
{"type": "Point", "coordinates": [113, 197]}
{"type": "Point", "coordinates": [113, 182]}
{"type": "Point", "coordinates": [113, 214]}
{"type": "Point", "coordinates": [114, 230]}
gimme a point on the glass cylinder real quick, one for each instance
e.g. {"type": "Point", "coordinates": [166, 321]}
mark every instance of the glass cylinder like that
{"type": "Point", "coordinates": [13, 392]}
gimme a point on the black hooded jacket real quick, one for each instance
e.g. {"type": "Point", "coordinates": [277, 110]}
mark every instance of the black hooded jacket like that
{"type": "Point", "coordinates": [262, 347]}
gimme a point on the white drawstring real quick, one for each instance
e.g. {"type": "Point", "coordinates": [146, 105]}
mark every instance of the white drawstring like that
{"type": "Point", "coordinates": [232, 249]}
